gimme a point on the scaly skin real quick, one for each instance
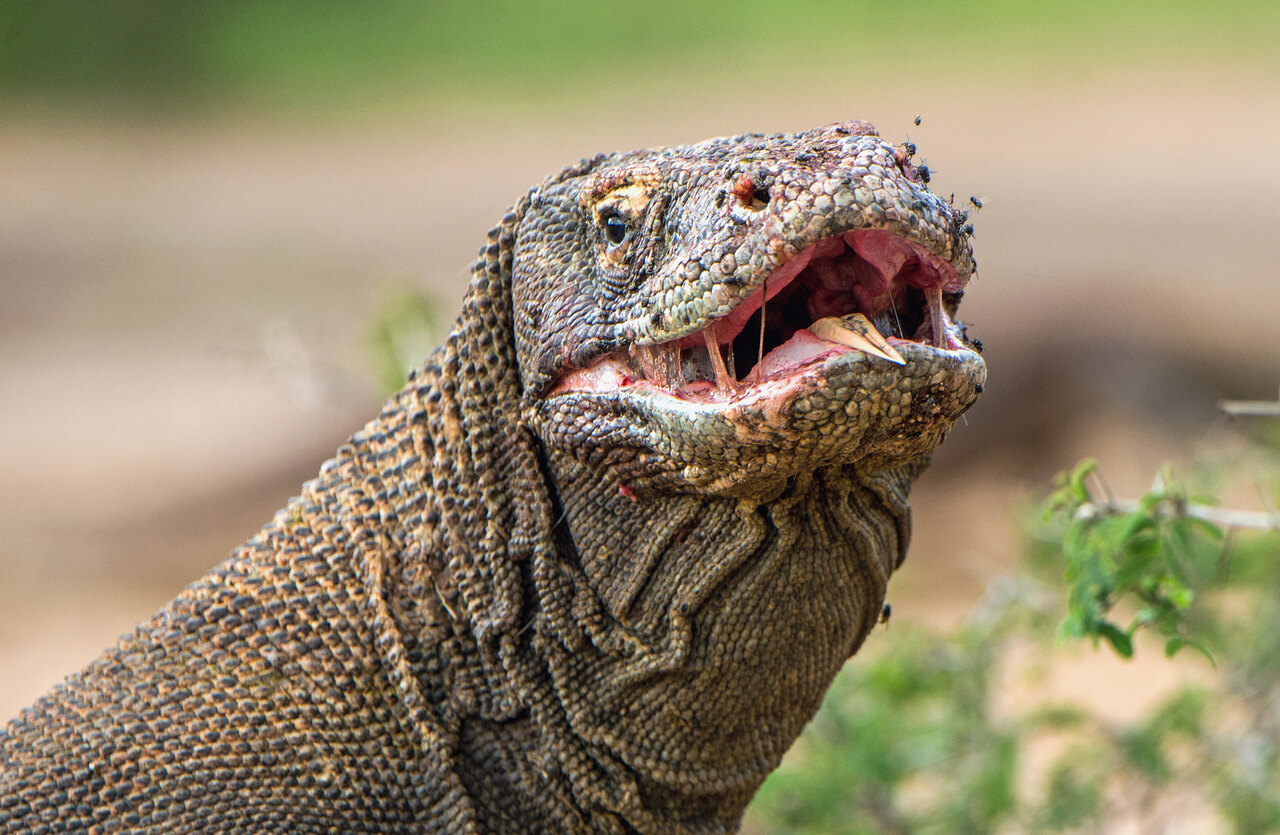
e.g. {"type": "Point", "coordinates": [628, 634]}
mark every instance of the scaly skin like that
{"type": "Point", "coordinates": [572, 578]}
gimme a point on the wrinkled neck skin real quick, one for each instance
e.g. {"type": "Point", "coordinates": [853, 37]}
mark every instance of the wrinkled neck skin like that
{"type": "Point", "coordinates": [632, 661]}
{"type": "Point", "coordinates": [716, 624]}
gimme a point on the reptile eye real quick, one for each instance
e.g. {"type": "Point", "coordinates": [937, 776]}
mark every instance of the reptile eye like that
{"type": "Point", "coordinates": [615, 228]}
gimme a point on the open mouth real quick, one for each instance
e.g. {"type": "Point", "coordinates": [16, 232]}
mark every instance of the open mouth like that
{"type": "Point", "coordinates": [860, 291]}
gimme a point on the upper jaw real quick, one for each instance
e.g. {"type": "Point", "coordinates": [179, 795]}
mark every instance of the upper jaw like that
{"type": "Point", "coordinates": [872, 188]}
{"type": "Point", "coordinates": [859, 290]}
{"type": "Point", "coordinates": [859, 235]}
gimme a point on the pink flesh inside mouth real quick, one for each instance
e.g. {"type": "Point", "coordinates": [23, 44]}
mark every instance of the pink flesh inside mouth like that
{"type": "Point", "coordinates": [859, 291]}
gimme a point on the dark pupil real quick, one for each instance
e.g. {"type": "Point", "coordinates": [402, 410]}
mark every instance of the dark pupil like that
{"type": "Point", "coordinates": [615, 228]}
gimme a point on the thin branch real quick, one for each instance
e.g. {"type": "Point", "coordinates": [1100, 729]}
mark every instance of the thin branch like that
{"type": "Point", "coordinates": [1250, 408]}
{"type": "Point", "coordinates": [1224, 516]}
{"type": "Point", "coordinates": [1102, 483]}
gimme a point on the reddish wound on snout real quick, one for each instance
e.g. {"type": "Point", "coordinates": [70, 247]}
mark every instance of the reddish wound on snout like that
{"type": "Point", "coordinates": [745, 189]}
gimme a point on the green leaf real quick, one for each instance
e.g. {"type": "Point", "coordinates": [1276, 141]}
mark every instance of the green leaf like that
{"type": "Point", "coordinates": [1120, 640]}
{"type": "Point", "coordinates": [1206, 528]}
{"type": "Point", "coordinates": [1082, 471]}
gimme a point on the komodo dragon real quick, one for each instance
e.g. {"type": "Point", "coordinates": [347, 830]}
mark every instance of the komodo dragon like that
{"type": "Point", "coordinates": [582, 573]}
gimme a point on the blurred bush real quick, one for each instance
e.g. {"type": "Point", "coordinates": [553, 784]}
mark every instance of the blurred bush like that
{"type": "Point", "coordinates": [405, 328]}
{"type": "Point", "coordinates": [309, 51]}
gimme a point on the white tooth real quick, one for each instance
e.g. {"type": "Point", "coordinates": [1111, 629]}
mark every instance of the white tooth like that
{"type": "Point", "coordinates": [937, 316]}
{"type": "Point", "coordinates": [754, 373]}
{"type": "Point", "coordinates": [646, 362]}
{"type": "Point", "coordinates": [642, 361]}
{"type": "Point", "coordinates": [856, 331]}
{"type": "Point", "coordinates": [659, 364]}
{"type": "Point", "coordinates": [670, 362]}
{"type": "Point", "coordinates": [724, 383]}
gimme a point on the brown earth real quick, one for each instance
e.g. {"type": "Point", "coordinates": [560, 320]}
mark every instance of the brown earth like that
{"type": "Point", "coordinates": [183, 303]}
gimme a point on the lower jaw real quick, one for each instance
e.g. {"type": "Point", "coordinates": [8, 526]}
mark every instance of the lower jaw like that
{"type": "Point", "coordinates": [836, 377]}
{"type": "Point", "coordinates": [847, 408]}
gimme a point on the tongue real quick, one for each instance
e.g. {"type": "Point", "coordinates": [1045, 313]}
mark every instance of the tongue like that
{"type": "Point", "coordinates": [796, 351]}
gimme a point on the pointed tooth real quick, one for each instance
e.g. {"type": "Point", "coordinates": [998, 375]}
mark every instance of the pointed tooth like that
{"type": "Point", "coordinates": [754, 374]}
{"type": "Point", "coordinates": [645, 362]}
{"type": "Point", "coordinates": [856, 332]}
{"type": "Point", "coordinates": [724, 383]}
{"type": "Point", "coordinates": [937, 316]}
{"type": "Point", "coordinates": [670, 363]}
{"type": "Point", "coordinates": [659, 364]}
{"type": "Point", "coordinates": [728, 361]}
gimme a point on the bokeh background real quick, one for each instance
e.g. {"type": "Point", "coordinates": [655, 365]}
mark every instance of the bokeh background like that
{"type": "Point", "coordinates": [206, 206]}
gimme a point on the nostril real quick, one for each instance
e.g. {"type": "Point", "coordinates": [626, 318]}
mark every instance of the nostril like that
{"type": "Point", "coordinates": [761, 194]}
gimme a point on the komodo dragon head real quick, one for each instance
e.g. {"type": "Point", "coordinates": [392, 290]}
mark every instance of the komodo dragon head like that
{"type": "Point", "coordinates": [719, 317]}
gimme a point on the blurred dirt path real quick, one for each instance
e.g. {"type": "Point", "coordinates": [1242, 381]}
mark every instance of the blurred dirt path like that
{"type": "Point", "coordinates": [182, 309]}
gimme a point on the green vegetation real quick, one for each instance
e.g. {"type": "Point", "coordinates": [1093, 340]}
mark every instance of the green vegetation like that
{"type": "Point", "coordinates": [405, 329]}
{"type": "Point", "coordinates": [307, 53]}
{"type": "Point", "coordinates": [920, 735]}
{"type": "Point", "coordinates": [1152, 555]}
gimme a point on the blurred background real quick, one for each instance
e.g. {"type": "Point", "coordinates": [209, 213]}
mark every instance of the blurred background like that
{"type": "Point", "coordinates": [209, 212]}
